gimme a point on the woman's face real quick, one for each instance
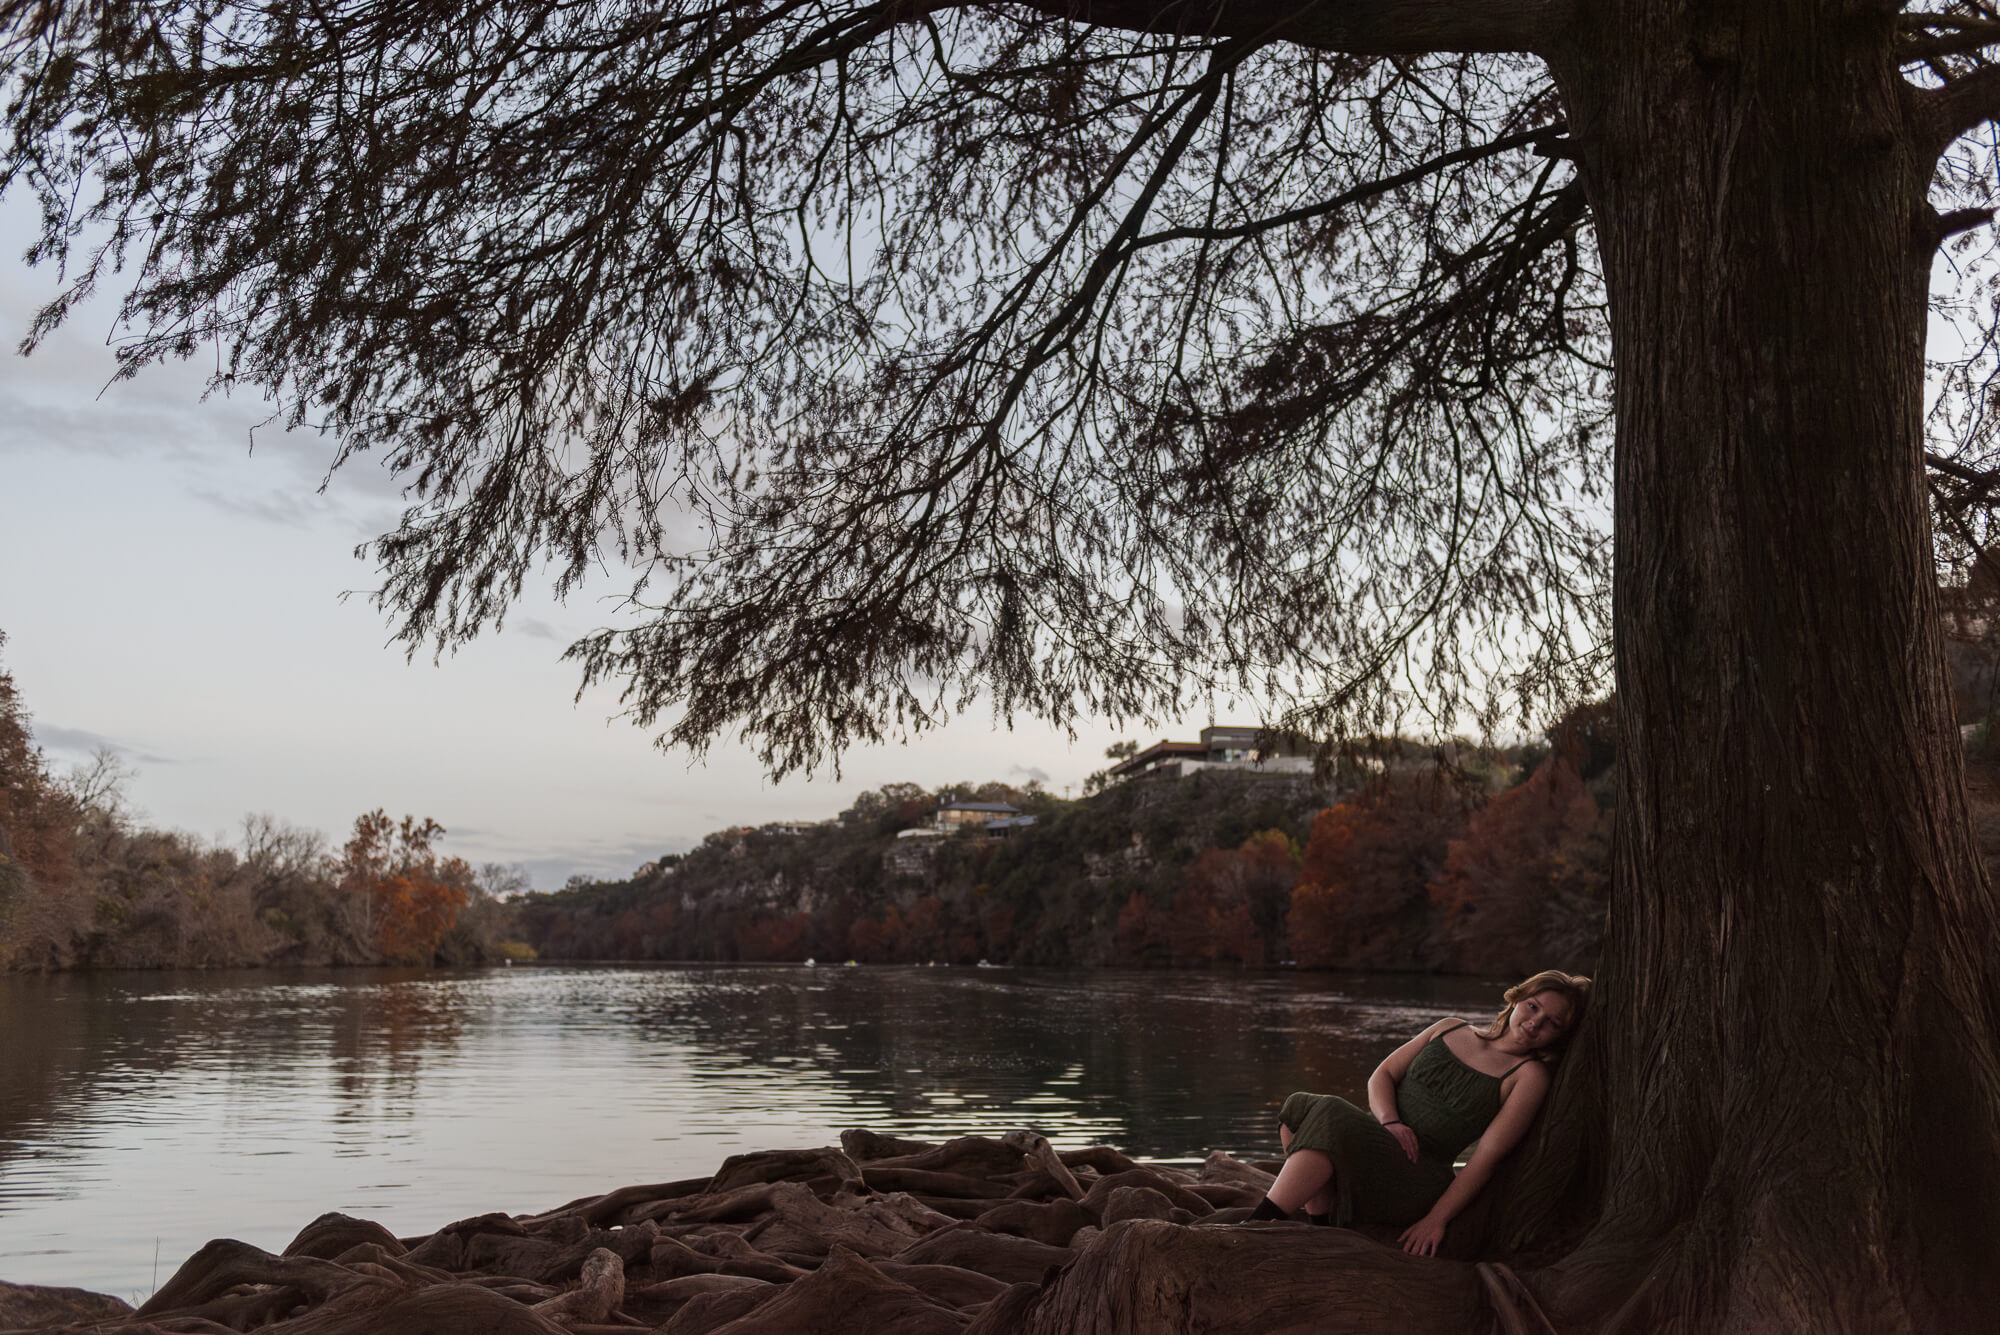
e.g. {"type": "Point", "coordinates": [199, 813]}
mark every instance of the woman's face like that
{"type": "Point", "coordinates": [1539, 1020]}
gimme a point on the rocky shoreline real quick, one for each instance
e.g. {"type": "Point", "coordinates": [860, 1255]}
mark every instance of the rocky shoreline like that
{"type": "Point", "coordinates": [879, 1235]}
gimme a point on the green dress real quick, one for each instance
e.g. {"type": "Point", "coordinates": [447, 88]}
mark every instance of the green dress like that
{"type": "Point", "coordinates": [1447, 1103]}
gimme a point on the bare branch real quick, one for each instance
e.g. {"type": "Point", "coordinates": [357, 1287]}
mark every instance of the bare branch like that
{"type": "Point", "coordinates": [1948, 225]}
{"type": "Point", "coordinates": [1926, 37]}
{"type": "Point", "coordinates": [1966, 102]}
{"type": "Point", "coordinates": [1354, 27]}
{"type": "Point", "coordinates": [1536, 139]}
{"type": "Point", "coordinates": [1985, 484]}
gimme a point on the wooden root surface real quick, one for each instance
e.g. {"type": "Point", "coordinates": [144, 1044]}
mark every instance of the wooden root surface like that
{"type": "Point", "coordinates": [977, 1236]}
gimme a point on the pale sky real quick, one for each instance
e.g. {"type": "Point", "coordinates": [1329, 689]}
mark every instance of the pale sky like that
{"type": "Point", "coordinates": [169, 593]}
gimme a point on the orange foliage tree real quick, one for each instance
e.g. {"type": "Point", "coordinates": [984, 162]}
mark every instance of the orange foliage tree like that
{"type": "Point", "coordinates": [1361, 902]}
{"type": "Point", "coordinates": [770, 935]}
{"type": "Point", "coordinates": [1497, 902]}
{"type": "Point", "coordinates": [1230, 909]}
{"type": "Point", "coordinates": [879, 940]}
{"type": "Point", "coordinates": [999, 925]}
{"type": "Point", "coordinates": [1137, 932]}
{"type": "Point", "coordinates": [924, 929]}
{"type": "Point", "coordinates": [409, 896]}
{"type": "Point", "coordinates": [38, 823]}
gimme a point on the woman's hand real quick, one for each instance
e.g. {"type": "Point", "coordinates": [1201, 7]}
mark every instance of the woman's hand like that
{"type": "Point", "coordinates": [1422, 1238]}
{"type": "Point", "coordinates": [1406, 1138]}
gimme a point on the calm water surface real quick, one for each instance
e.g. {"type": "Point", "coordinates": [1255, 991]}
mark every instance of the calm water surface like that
{"type": "Point", "coordinates": [142, 1114]}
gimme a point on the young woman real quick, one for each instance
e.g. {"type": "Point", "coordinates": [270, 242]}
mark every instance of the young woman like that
{"type": "Point", "coordinates": [1447, 1087]}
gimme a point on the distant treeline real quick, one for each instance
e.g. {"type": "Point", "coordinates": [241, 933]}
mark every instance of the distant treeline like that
{"type": "Point", "coordinates": [1489, 861]}
{"type": "Point", "coordinates": [83, 884]}
{"type": "Point", "coordinates": [1467, 860]}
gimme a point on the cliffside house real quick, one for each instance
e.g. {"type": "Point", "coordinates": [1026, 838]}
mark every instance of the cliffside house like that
{"type": "Point", "coordinates": [995, 818]}
{"type": "Point", "coordinates": [1220, 747]}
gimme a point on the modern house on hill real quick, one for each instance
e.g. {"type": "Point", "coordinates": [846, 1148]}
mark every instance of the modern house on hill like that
{"type": "Point", "coordinates": [1220, 747]}
{"type": "Point", "coordinates": [996, 819]}
{"type": "Point", "coordinates": [952, 816]}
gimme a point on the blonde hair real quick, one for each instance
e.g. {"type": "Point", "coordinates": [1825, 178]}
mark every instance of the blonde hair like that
{"type": "Point", "coordinates": [1572, 985]}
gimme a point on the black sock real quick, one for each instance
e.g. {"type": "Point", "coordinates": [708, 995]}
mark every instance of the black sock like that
{"type": "Point", "coordinates": [1266, 1210]}
{"type": "Point", "coordinates": [1323, 1220]}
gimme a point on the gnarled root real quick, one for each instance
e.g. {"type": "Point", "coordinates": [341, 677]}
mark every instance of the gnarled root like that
{"type": "Point", "coordinates": [1151, 1277]}
{"type": "Point", "coordinates": [831, 1242]}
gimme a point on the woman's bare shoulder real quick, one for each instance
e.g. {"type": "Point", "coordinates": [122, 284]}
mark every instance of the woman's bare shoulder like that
{"type": "Point", "coordinates": [1530, 1074]}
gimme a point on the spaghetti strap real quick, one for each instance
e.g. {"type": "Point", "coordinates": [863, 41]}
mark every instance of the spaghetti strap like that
{"type": "Point", "coordinates": [1515, 1067]}
{"type": "Point", "coordinates": [1462, 1024]}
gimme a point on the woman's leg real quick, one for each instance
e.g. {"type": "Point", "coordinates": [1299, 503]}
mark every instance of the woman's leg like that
{"type": "Point", "coordinates": [1303, 1181]}
{"type": "Point", "coordinates": [1323, 1202]}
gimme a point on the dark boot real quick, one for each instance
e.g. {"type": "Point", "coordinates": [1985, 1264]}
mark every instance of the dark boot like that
{"type": "Point", "coordinates": [1266, 1210]}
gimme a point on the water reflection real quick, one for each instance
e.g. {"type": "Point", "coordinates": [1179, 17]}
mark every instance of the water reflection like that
{"type": "Point", "coordinates": [162, 1109]}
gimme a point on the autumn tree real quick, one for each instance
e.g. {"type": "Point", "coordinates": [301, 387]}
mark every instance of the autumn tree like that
{"type": "Point", "coordinates": [1138, 932]}
{"type": "Point", "coordinates": [880, 939]}
{"type": "Point", "coordinates": [38, 819]}
{"type": "Point", "coordinates": [1106, 356]}
{"type": "Point", "coordinates": [1208, 922]}
{"type": "Point", "coordinates": [1361, 901]}
{"type": "Point", "coordinates": [1231, 905]}
{"type": "Point", "coordinates": [998, 925]}
{"type": "Point", "coordinates": [406, 892]}
{"type": "Point", "coordinates": [1266, 869]}
{"type": "Point", "coordinates": [769, 935]}
{"type": "Point", "coordinates": [1493, 898]}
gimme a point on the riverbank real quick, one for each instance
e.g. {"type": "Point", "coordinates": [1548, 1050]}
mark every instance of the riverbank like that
{"type": "Point", "coordinates": [881, 1235]}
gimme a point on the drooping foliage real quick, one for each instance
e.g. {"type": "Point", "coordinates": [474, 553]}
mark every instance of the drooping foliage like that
{"type": "Point", "coordinates": [899, 353]}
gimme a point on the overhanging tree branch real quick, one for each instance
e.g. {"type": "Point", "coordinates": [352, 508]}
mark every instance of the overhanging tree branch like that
{"type": "Point", "coordinates": [1966, 102]}
{"type": "Point", "coordinates": [1353, 27]}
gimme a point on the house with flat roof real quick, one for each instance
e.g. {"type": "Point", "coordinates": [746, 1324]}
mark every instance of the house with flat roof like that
{"type": "Point", "coordinates": [1221, 747]}
{"type": "Point", "coordinates": [995, 818]}
{"type": "Point", "coordinates": [972, 815]}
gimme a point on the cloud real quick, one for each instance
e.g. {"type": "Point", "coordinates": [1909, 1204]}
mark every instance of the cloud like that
{"type": "Point", "coordinates": [601, 863]}
{"type": "Point", "coordinates": [1032, 773]}
{"type": "Point", "coordinates": [549, 867]}
{"type": "Point", "coordinates": [83, 742]}
{"type": "Point", "coordinates": [535, 628]}
{"type": "Point", "coordinates": [93, 427]}
{"type": "Point", "coordinates": [275, 507]}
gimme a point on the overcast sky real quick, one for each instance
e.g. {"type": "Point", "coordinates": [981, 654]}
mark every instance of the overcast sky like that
{"type": "Point", "coordinates": [173, 595]}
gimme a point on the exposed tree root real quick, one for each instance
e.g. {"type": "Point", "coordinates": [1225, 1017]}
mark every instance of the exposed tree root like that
{"type": "Point", "coordinates": [832, 1242]}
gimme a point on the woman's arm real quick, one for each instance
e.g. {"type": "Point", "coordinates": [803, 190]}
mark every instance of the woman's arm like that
{"type": "Point", "coordinates": [1517, 1113]}
{"type": "Point", "coordinates": [1382, 1086]}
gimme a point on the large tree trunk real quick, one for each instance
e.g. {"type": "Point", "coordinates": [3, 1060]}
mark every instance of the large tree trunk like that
{"type": "Point", "coordinates": [1798, 1029]}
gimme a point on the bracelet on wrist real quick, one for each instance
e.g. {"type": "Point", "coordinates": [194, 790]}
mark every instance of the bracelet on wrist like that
{"type": "Point", "coordinates": [1395, 1121]}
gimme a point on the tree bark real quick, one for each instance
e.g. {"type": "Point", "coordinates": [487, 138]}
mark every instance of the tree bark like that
{"type": "Point", "coordinates": [1150, 1277]}
{"type": "Point", "coordinates": [1797, 1036]}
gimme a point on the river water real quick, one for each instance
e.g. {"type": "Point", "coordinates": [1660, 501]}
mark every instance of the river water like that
{"type": "Point", "coordinates": [142, 1114]}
